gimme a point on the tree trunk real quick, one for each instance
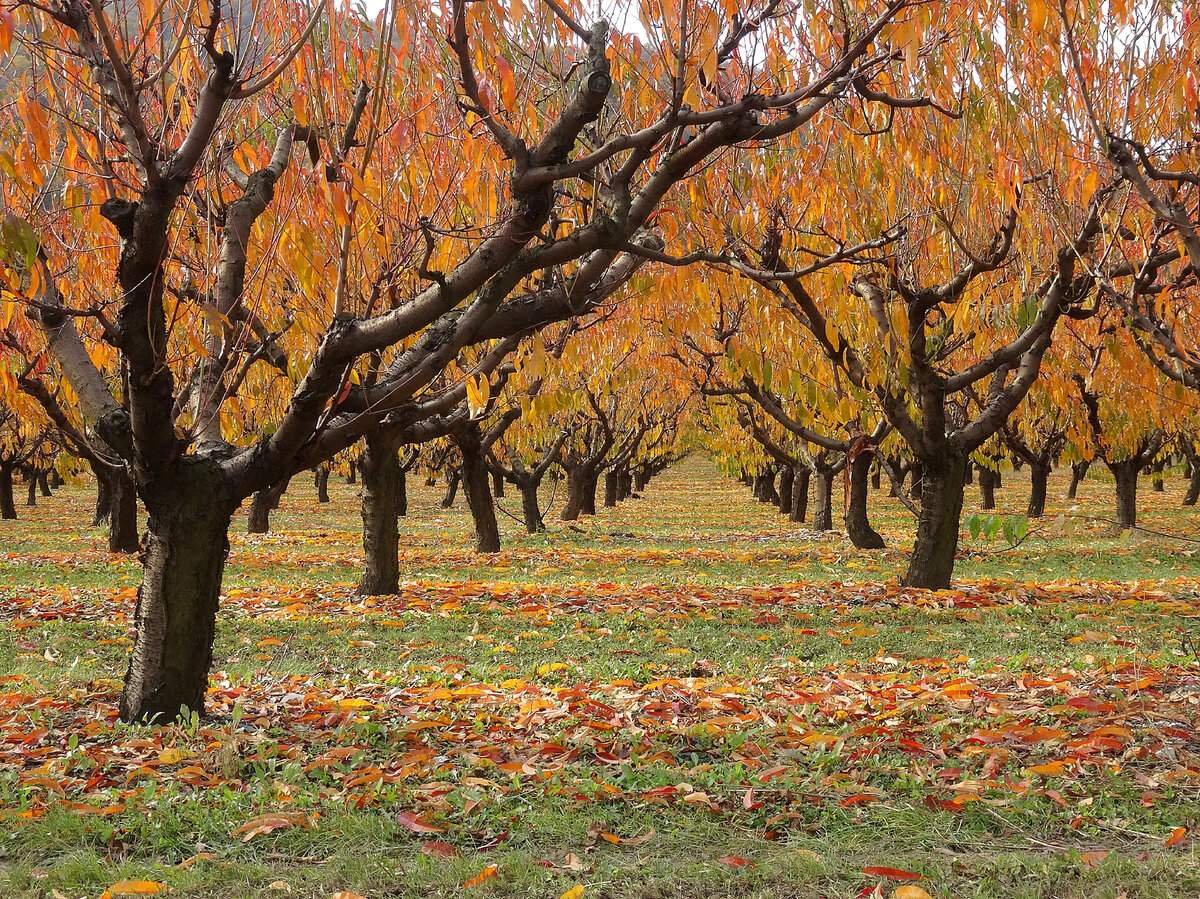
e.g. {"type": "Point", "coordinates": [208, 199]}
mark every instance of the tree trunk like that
{"type": "Point", "coordinates": [918, 477]}
{"type": "Point", "coordinates": [31, 493]}
{"type": "Point", "coordinates": [56, 480]}
{"type": "Point", "coordinates": [1078, 472]}
{"type": "Point", "coordinates": [969, 477]}
{"type": "Point", "coordinates": [578, 479]}
{"type": "Point", "coordinates": [262, 505]}
{"type": "Point", "coordinates": [823, 513]}
{"type": "Point", "coordinates": [478, 490]}
{"type": "Point", "coordinates": [530, 508]}
{"type": "Point", "coordinates": [858, 525]}
{"type": "Point", "coordinates": [402, 494]}
{"type": "Point", "coordinates": [1157, 469]}
{"type": "Point", "coordinates": [612, 486]}
{"type": "Point", "coordinates": [8, 508]}
{"type": "Point", "coordinates": [1126, 475]}
{"type": "Point", "coordinates": [103, 499]}
{"type": "Point", "coordinates": [1193, 491]}
{"type": "Point", "coordinates": [321, 478]}
{"type": "Point", "coordinates": [123, 534]}
{"type": "Point", "coordinates": [497, 485]}
{"type": "Point", "coordinates": [589, 494]}
{"type": "Point", "coordinates": [1039, 477]}
{"type": "Point", "coordinates": [987, 488]}
{"type": "Point", "coordinates": [932, 561]}
{"type": "Point", "coordinates": [175, 620]}
{"type": "Point", "coordinates": [43, 480]}
{"type": "Point", "coordinates": [352, 476]}
{"type": "Point", "coordinates": [759, 490]}
{"type": "Point", "coordinates": [381, 534]}
{"type": "Point", "coordinates": [787, 480]}
{"type": "Point", "coordinates": [452, 480]}
{"type": "Point", "coordinates": [625, 485]}
{"type": "Point", "coordinates": [800, 479]}
{"type": "Point", "coordinates": [876, 477]}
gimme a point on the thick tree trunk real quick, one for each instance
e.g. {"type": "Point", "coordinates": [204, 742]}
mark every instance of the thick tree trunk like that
{"type": "Point", "coordinates": [823, 511]}
{"type": "Point", "coordinates": [800, 479]}
{"type": "Point", "coordinates": [876, 477]}
{"type": "Point", "coordinates": [625, 485]}
{"type": "Point", "coordinates": [787, 480]}
{"type": "Point", "coordinates": [123, 514]}
{"type": "Point", "coordinates": [1078, 473]}
{"type": "Point", "coordinates": [589, 494]}
{"type": "Point", "coordinates": [43, 480]}
{"type": "Point", "coordinates": [352, 476]}
{"type": "Point", "coordinates": [987, 488]}
{"type": "Point", "coordinates": [56, 480]}
{"type": "Point", "coordinates": [175, 620]}
{"type": "Point", "coordinates": [1157, 470]}
{"type": "Point", "coordinates": [918, 478]}
{"type": "Point", "coordinates": [932, 561]}
{"type": "Point", "coordinates": [760, 487]}
{"type": "Point", "coordinates": [497, 485]}
{"type": "Point", "coordinates": [478, 490]}
{"type": "Point", "coordinates": [452, 480]}
{"type": "Point", "coordinates": [1126, 475]}
{"type": "Point", "coordinates": [581, 490]}
{"type": "Point", "coordinates": [969, 477]}
{"type": "Point", "coordinates": [858, 525]}
{"type": "Point", "coordinates": [31, 492]}
{"type": "Point", "coordinates": [402, 494]}
{"type": "Point", "coordinates": [262, 505]}
{"type": "Point", "coordinates": [530, 509]}
{"type": "Point", "coordinates": [321, 478]}
{"type": "Point", "coordinates": [8, 507]}
{"type": "Point", "coordinates": [1039, 477]}
{"type": "Point", "coordinates": [381, 534]}
{"type": "Point", "coordinates": [612, 488]}
{"type": "Point", "coordinates": [1193, 491]}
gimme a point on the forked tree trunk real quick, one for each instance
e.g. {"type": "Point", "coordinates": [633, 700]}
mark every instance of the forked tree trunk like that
{"type": "Point", "coordinates": [1193, 491]}
{"type": "Point", "coordinates": [381, 534]}
{"type": "Point", "coordinates": [1126, 475]}
{"type": "Point", "coordinates": [987, 488]}
{"type": "Point", "coordinates": [823, 510]}
{"type": "Point", "coordinates": [478, 490]}
{"type": "Point", "coordinates": [530, 509]}
{"type": "Point", "coordinates": [787, 480]}
{"type": "Point", "coordinates": [800, 479]}
{"type": "Point", "coordinates": [1039, 477]}
{"type": "Point", "coordinates": [452, 480]}
{"type": "Point", "coordinates": [175, 621]}
{"type": "Point", "coordinates": [612, 487]}
{"type": "Point", "coordinates": [262, 505]}
{"type": "Point", "coordinates": [581, 493]}
{"type": "Point", "coordinates": [858, 525]}
{"type": "Point", "coordinates": [321, 479]}
{"type": "Point", "coordinates": [932, 562]}
{"type": "Point", "coordinates": [8, 507]}
{"type": "Point", "coordinates": [1078, 473]}
{"type": "Point", "coordinates": [123, 534]}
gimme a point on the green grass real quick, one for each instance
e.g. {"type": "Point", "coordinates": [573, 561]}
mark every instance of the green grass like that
{"type": "Point", "coordinates": [689, 673]}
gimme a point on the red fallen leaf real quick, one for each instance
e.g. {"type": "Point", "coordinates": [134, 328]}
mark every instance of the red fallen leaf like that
{"type": "Point", "coordinates": [735, 861]}
{"type": "Point", "coordinates": [413, 822]}
{"type": "Point", "coordinates": [1177, 836]}
{"type": "Point", "coordinates": [890, 873]}
{"type": "Point", "coordinates": [439, 849]}
{"type": "Point", "coordinates": [858, 799]}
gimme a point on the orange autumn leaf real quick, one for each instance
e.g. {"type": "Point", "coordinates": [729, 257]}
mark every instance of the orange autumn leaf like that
{"type": "Point", "coordinates": [482, 877]}
{"type": "Point", "coordinates": [890, 873]}
{"type": "Point", "coordinates": [135, 888]}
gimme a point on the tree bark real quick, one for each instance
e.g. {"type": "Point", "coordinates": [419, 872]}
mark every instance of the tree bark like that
{"type": "Point", "coordinates": [612, 487]}
{"type": "Point", "coordinates": [1157, 469]}
{"type": "Point", "coordinates": [175, 620]}
{"type": "Point", "coordinates": [987, 488]}
{"type": "Point", "coordinates": [321, 478]}
{"type": "Point", "coordinates": [625, 485]}
{"type": "Point", "coordinates": [497, 486]}
{"type": "Point", "coordinates": [1078, 472]}
{"type": "Point", "coordinates": [43, 480]}
{"type": "Point", "coordinates": [918, 477]}
{"type": "Point", "coordinates": [1193, 491]}
{"type": "Point", "coordinates": [478, 490]}
{"type": "Point", "coordinates": [787, 480]}
{"type": "Point", "coordinates": [452, 480]}
{"type": "Point", "coordinates": [932, 562]}
{"type": "Point", "coordinates": [381, 533]}
{"type": "Point", "coordinates": [1039, 477]}
{"type": "Point", "coordinates": [123, 534]}
{"type": "Point", "coordinates": [31, 493]}
{"type": "Point", "coordinates": [581, 488]}
{"type": "Point", "coordinates": [103, 499]}
{"type": "Point", "coordinates": [530, 509]}
{"type": "Point", "coordinates": [800, 479]}
{"type": "Point", "coordinates": [858, 525]}
{"type": "Point", "coordinates": [8, 507]}
{"type": "Point", "coordinates": [262, 505]}
{"type": "Point", "coordinates": [402, 494]}
{"type": "Point", "coordinates": [823, 513]}
{"type": "Point", "coordinates": [1126, 475]}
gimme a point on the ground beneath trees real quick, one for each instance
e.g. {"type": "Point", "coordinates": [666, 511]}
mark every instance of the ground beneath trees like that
{"type": "Point", "coordinates": [683, 697]}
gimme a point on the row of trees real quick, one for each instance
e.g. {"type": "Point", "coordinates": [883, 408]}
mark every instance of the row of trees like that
{"type": "Point", "coordinates": [242, 239]}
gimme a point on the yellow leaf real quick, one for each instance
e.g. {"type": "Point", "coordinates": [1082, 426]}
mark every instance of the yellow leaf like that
{"type": "Point", "coordinates": [910, 891]}
{"type": "Point", "coordinates": [173, 756]}
{"type": "Point", "coordinates": [486, 874]}
{"type": "Point", "coordinates": [574, 893]}
{"type": "Point", "coordinates": [135, 888]}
